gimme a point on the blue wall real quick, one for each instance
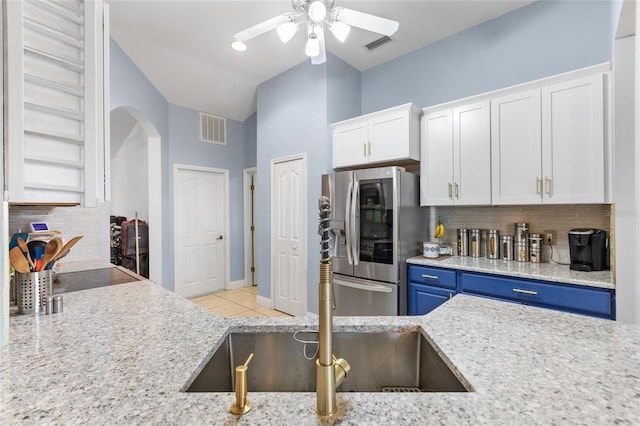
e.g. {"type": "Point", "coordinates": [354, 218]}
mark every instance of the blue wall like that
{"type": "Point", "coordinates": [292, 119]}
{"type": "Point", "coordinates": [178, 128]}
{"type": "Point", "coordinates": [185, 148]}
{"type": "Point", "coordinates": [129, 87]}
{"type": "Point", "coordinates": [250, 134]}
{"type": "Point", "coordinates": [539, 40]}
{"type": "Point", "coordinates": [294, 113]}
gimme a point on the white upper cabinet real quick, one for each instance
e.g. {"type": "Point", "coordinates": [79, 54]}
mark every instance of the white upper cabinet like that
{"type": "Point", "coordinates": [573, 149]}
{"type": "Point", "coordinates": [516, 150]}
{"type": "Point", "coordinates": [385, 137]}
{"type": "Point", "coordinates": [456, 156]}
{"type": "Point", "coordinates": [547, 145]}
{"type": "Point", "coordinates": [436, 163]}
{"type": "Point", "coordinates": [54, 103]}
{"type": "Point", "coordinates": [350, 144]}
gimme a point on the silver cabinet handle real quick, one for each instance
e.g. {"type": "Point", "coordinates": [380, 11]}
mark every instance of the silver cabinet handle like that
{"type": "Point", "coordinates": [457, 197]}
{"type": "Point", "coordinates": [450, 190]}
{"type": "Point", "coordinates": [537, 185]}
{"type": "Point", "coordinates": [365, 149]}
{"type": "Point", "coordinates": [369, 148]}
{"type": "Point", "coordinates": [431, 277]}
{"type": "Point", "coordinates": [519, 290]}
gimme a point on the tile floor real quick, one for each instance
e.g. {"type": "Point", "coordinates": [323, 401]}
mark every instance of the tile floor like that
{"type": "Point", "coordinates": [240, 302]}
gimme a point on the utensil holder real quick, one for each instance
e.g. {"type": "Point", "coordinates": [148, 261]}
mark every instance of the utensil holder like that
{"type": "Point", "coordinates": [32, 290]}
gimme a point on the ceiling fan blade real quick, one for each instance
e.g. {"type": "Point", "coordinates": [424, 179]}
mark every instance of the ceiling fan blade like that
{"type": "Point", "coordinates": [365, 21]}
{"type": "Point", "coordinates": [261, 28]}
{"type": "Point", "coordinates": [322, 56]}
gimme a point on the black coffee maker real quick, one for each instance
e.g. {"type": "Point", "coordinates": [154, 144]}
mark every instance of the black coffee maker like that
{"type": "Point", "coordinates": [588, 249]}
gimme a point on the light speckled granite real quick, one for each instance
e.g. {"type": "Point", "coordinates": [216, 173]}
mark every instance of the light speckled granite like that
{"type": "Point", "coordinates": [122, 355]}
{"type": "Point", "coordinates": [540, 271]}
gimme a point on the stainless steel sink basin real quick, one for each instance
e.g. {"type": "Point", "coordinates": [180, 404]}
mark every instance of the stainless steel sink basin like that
{"type": "Point", "coordinates": [380, 362]}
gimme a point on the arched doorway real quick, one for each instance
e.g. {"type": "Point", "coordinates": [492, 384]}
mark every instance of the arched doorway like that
{"type": "Point", "coordinates": [135, 172]}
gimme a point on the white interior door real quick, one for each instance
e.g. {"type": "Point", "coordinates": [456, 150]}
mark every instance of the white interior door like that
{"type": "Point", "coordinates": [200, 230]}
{"type": "Point", "coordinates": [288, 224]}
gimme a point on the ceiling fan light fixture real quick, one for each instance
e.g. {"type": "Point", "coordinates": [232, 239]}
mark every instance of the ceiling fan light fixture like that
{"type": "Point", "coordinates": [340, 30]}
{"type": "Point", "coordinates": [287, 31]}
{"type": "Point", "coordinates": [238, 45]}
{"type": "Point", "coordinates": [313, 46]}
{"type": "Point", "coordinates": [317, 11]}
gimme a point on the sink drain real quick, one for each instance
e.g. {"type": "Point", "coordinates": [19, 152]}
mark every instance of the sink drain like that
{"type": "Point", "coordinates": [400, 389]}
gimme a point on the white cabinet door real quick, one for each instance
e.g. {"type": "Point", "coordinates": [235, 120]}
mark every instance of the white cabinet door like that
{"type": "Point", "coordinates": [573, 152]}
{"type": "Point", "coordinates": [436, 159]}
{"type": "Point", "coordinates": [516, 150]}
{"type": "Point", "coordinates": [350, 144]}
{"type": "Point", "coordinates": [388, 137]}
{"type": "Point", "coordinates": [385, 137]}
{"type": "Point", "coordinates": [472, 154]}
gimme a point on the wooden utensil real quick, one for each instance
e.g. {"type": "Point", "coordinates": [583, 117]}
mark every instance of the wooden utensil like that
{"type": "Point", "coordinates": [63, 251]}
{"type": "Point", "coordinates": [25, 251]}
{"type": "Point", "coordinates": [18, 261]}
{"type": "Point", "coordinates": [50, 251]}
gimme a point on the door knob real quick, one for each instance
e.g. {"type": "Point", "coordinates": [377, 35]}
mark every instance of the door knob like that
{"type": "Point", "coordinates": [220, 237]}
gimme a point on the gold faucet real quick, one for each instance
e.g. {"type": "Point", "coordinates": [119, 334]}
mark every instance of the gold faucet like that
{"type": "Point", "coordinates": [242, 404]}
{"type": "Point", "coordinates": [330, 372]}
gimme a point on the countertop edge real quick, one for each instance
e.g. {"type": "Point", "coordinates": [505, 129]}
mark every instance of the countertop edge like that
{"type": "Point", "coordinates": [539, 271]}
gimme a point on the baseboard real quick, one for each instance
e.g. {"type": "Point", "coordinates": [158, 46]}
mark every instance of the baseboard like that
{"type": "Point", "coordinates": [236, 284]}
{"type": "Point", "coordinates": [264, 301]}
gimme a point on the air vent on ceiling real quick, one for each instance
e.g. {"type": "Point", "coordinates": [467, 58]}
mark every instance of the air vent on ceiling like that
{"type": "Point", "coordinates": [213, 129]}
{"type": "Point", "coordinates": [375, 44]}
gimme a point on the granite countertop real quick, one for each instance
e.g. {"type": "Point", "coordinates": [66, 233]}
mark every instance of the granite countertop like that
{"type": "Point", "coordinates": [123, 354]}
{"type": "Point", "coordinates": [539, 271]}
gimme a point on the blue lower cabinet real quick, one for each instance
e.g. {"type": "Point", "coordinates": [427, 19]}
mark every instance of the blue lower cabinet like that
{"type": "Point", "coordinates": [430, 287]}
{"type": "Point", "coordinates": [592, 301]}
{"type": "Point", "coordinates": [424, 299]}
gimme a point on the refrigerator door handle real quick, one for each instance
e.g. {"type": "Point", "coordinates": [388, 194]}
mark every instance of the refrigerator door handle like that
{"type": "Point", "coordinates": [347, 222]}
{"type": "Point", "coordinates": [355, 224]}
{"type": "Point", "coordinates": [377, 288]}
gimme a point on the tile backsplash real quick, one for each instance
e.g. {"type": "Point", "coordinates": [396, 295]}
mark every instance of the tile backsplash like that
{"type": "Point", "coordinates": [559, 218]}
{"type": "Point", "coordinates": [91, 223]}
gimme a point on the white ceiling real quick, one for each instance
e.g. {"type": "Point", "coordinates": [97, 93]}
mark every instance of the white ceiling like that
{"type": "Point", "coordinates": [183, 46]}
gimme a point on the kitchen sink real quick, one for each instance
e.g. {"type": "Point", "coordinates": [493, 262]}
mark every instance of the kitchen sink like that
{"type": "Point", "coordinates": [380, 362]}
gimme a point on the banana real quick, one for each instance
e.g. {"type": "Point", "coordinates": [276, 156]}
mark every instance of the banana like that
{"type": "Point", "coordinates": [439, 230]}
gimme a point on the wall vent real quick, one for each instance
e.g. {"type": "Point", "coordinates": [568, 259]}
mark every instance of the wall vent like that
{"type": "Point", "coordinates": [375, 44]}
{"type": "Point", "coordinates": [213, 129]}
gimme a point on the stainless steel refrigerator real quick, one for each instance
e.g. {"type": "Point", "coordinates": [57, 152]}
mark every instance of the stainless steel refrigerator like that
{"type": "Point", "coordinates": [377, 224]}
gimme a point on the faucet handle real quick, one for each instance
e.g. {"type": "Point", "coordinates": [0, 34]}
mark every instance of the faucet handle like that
{"type": "Point", "coordinates": [242, 404]}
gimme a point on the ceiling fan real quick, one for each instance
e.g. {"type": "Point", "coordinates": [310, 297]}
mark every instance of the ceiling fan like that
{"type": "Point", "coordinates": [314, 14]}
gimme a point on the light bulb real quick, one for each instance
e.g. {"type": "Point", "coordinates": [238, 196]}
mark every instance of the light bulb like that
{"type": "Point", "coordinates": [313, 46]}
{"type": "Point", "coordinates": [340, 30]}
{"type": "Point", "coordinates": [238, 45]}
{"type": "Point", "coordinates": [317, 11]}
{"type": "Point", "coordinates": [286, 31]}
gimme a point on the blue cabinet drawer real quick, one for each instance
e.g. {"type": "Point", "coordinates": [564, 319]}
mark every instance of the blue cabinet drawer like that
{"type": "Point", "coordinates": [558, 296]}
{"type": "Point", "coordinates": [424, 299]}
{"type": "Point", "coordinates": [432, 276]}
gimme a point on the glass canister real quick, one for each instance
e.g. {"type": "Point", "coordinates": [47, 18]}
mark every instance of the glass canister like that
{"type": "Point", "coordinates": [463, 242]}
{"type": "Point", "coordinates": [493, 244]}
{"type": "Point", "coordinates": [535, 248]}
{"type": "Point", "coordinates": [521, 251]}
{"type": "Point", "coordinates": [506, 247]}
{"type": "Point", "coordinates": [521, 232]}
{"type": "Point", "coordinates": [475, 240]}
